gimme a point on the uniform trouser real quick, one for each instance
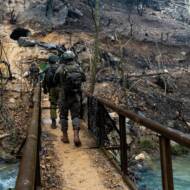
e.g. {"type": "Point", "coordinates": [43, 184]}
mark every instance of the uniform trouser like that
{"type": "Point", "coordinates": [53, 98]}
{"type": "Point", "coordinates": [70, 102]}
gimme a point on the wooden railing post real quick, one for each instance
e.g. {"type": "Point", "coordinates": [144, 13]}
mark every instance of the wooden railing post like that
{"type": "Point", "coordinates": [123, 144]}
{"type": "Point", "coordinates": [166, 163]}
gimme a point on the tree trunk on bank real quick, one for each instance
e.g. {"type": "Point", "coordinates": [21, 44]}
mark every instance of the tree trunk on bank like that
{"type": "Point", "coordinates": [96, 48]}
{"type": "Point", "coordinates": [49, 9]}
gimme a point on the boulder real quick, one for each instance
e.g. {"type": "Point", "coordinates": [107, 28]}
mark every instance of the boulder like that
{"type": "Point", "coordinates": [35, 17]}
{"type": "Point", "coordinates": [6, 157]}
{"type": "Point", "coordinates": [114, 115]}
{"type": "Point", "coordinates": [12, 100]}
{"type": "Point", "coordinates": [111, 60]}
{"type": "Point", "coordinates": [129, 139]}
{"type": "Point", "coordinates": [166, 82]}
{"type": "Point", "coordinates": [142, 156]}
{"type": "Point", "coordinates": [74, 13]}
{"type": "Point", "coordinates": [26, 42]}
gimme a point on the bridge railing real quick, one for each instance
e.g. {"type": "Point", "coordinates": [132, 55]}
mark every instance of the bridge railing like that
{"type": "Point", "coordinates": [100, 123]}
{"type": "Point", "coordinates": [29, 171]}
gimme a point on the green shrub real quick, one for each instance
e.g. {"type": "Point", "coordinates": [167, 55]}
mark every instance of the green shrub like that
{"type": "Point", "coordinates": [147, 144]}
{"type": "Point", "coordinates": [178, 150]}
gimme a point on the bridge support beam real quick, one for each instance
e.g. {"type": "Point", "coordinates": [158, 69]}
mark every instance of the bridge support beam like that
{"type": "Point", "coordinates": [166, 163]}
{"type": "Point", "coordinates": [123, 145]}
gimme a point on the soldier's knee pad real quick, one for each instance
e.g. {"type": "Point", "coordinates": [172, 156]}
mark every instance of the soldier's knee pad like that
{"type": "Point", "coordinates": [76, 123]}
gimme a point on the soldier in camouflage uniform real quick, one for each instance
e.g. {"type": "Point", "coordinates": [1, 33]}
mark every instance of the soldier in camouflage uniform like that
{"type": "Point", "coordinates": [70, 77]}
{"type": "Point", "coordinates": [33, 79]}
{"type": "Point", "coordinates": [34, 74]}
{"type": "Point", "coordinates": [51, 88]}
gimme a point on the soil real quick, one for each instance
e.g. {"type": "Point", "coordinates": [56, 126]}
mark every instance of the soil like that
{"type": "Point", "coordinates": [14, 119]}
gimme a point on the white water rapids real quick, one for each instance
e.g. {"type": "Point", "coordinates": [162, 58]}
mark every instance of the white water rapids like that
{"type": "Point", "coordinates": [187, 4]}
{"type": "Point", "coordinates": [8, 173]}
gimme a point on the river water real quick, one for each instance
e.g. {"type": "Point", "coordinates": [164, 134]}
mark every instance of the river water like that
{"type": "Point", "coordinates": [151, 178]}
{"type": "Point", "coordinates": [8, 173]}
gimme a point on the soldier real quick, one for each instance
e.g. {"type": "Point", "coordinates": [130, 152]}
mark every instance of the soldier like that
{"type": "Point", "coordinates": [34, 73]}
{"type": "Point", "coordinates": [50, 87]}
{"type": "Point", "coordinates": [70, 77]}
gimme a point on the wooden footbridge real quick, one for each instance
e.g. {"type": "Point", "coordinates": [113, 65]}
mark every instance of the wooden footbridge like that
{"type": "Point", "coordinates": [98, 126]}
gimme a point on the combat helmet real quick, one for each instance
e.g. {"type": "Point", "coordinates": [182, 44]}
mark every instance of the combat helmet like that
{"type": "Point", "coordinates": [68, 55]}
{"type": "Point", "coordinates": [53, 59]}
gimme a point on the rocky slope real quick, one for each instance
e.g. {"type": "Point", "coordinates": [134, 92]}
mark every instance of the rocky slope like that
{"type": "Point", "coordinates": [141, 46]}
{"type": "Point", "coordinates": [158, 44]}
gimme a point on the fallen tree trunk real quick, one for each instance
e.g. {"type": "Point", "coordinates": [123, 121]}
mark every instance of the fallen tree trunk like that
{"type": "Point", "coordinates": [155, 73]}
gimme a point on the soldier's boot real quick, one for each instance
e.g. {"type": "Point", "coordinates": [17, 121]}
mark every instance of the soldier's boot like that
{"type": "Point", "coordinates": [64, 127]}
{"type": "Point", "coordinates": [76, 127]}
{"type": "Point", "coordinates": [31, 101]}
{"type": "Point", "coordinates": [77, 140]}
{"type": "Point", "coordinates": [53, 124]}
{"type": "Point", "coordinates": [65, 138]}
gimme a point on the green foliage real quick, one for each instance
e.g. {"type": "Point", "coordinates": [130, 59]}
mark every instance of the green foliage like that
{"type": "Point", "coordinates": [147, 145]}
{"type": "Point", "coordinates": [178, 150]}
{"type": "Point", "coordinates": [43, 66]}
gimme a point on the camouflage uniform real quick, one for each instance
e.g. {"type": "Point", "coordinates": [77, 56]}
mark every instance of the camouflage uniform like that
{"type": "Point", "coordinates": [70, 99]}
{"type": "Point", "coordinates": [34, 74]}
{"type": "Point", "coordinates": [70, 77]}
{"type": "Point", "coordinates": [53, 93]}
{"type": "Point", "coordinates": [33, 79]}
{"type": "Point", "coordinates": [53, 98]}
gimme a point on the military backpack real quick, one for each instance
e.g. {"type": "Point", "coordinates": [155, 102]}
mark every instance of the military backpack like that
{"type": "Point", "coordinates": [49, 76]}
{"type": "Point", "coordinates": [73, 76]}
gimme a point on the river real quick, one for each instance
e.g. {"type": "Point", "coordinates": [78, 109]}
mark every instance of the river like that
{"type": "Point", "coordinates": [8, 173]}
{"type": "Point", "coordinates": [151, 178]}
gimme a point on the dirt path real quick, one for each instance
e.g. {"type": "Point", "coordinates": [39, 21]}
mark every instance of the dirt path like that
{"type": "Point", "coordinates": [81, 168]}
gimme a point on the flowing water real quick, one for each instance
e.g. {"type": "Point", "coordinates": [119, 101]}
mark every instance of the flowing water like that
{"type": "Point", "coordinates": [151, 178]}
{"type": "Point", "coordinates": [8, 173]}
{"type": "Point", "coordinates": [187, 3]}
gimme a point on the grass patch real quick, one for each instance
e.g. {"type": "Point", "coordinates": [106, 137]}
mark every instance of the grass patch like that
{"type": "Point", "coordinates": [147, 145]}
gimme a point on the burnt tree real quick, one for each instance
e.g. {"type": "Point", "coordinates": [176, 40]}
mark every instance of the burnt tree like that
{"type": "Point", "coordinates": [49, 8]}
